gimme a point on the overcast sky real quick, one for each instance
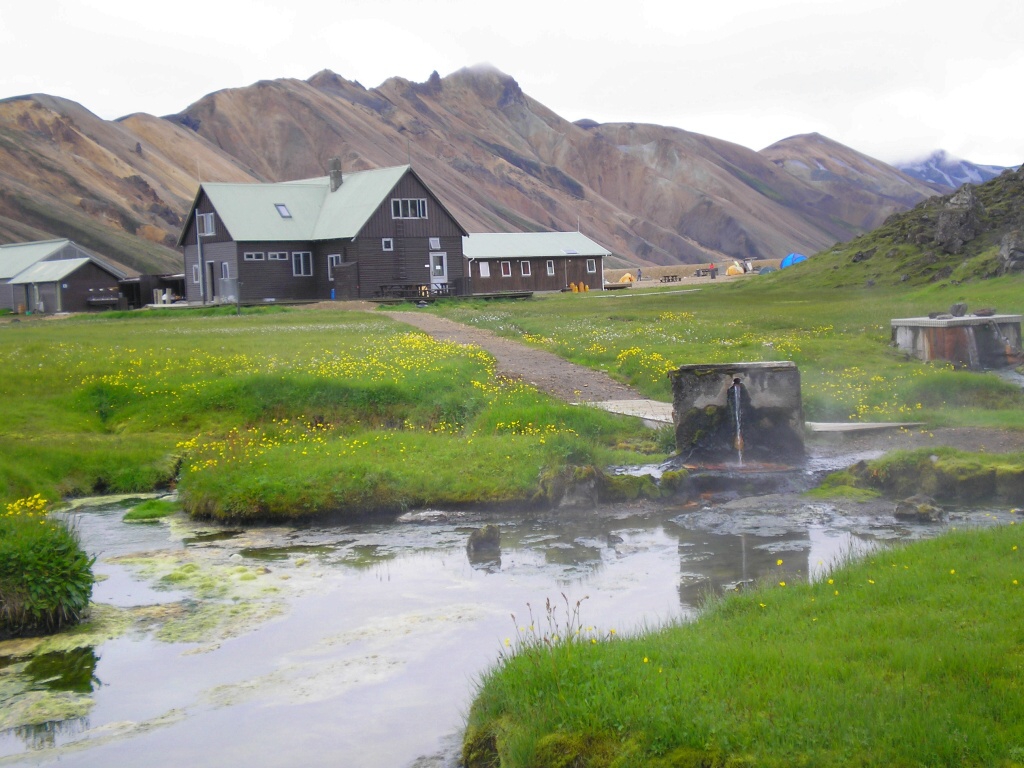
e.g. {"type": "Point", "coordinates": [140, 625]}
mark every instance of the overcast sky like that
{"type": "Point", "coordinates": [895, 79]}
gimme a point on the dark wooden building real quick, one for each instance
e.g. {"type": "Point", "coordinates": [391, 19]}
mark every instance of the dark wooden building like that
{"type": "Point", "coordinates": [358, 235]}
{"type": "Point", "coordinates": [57, 276]}
{"type": "Point", "coordinates": [533, 261]}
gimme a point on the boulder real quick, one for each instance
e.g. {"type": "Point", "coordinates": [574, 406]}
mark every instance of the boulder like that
{"type": "Point", "coordinates": [919, 508]}
{"type": "Point", "coordinates": [959, 220]}
{"type": "Point", "coordinates": [486, 540]}
{"type": "Point", "coordinates": [1011, 252]}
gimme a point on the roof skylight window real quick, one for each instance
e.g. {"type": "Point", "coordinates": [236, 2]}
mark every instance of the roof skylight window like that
{"type": "Point", "coordinates": [283, 210]}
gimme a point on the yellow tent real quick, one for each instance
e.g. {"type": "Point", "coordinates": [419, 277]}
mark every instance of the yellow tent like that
{"type": "Point", "coordinates": [627, 278]}
{"type": "Point", "coordinates": [734, 270]}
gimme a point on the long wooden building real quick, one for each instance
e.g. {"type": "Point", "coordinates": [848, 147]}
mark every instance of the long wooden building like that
{"type": "Point", "coordinates": [359, 235]}
{"type": "Point", "coordinates": [533, 261]}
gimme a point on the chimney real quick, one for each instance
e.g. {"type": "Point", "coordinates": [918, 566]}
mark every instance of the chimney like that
{"type": "Point", "coordinates": [334, 171]}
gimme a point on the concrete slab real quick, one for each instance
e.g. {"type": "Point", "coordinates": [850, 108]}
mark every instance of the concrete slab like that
{"type": "Point", "coordinates": [859, 426]}
{"type": "Point", "coordinates": [648, 410]}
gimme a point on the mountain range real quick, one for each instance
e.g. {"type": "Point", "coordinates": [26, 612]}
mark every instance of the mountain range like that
{"type": "Point", "coordinates": [942, 169]}
{"type": "Point", "coordinates": [498, 159]}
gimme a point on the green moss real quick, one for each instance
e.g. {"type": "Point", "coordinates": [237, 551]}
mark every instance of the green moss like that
{"type": "Point", "coordinates": [152, 509]}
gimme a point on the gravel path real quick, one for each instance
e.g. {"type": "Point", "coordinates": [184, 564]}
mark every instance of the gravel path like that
{"type": "Point", "coordinates": [545, 371]}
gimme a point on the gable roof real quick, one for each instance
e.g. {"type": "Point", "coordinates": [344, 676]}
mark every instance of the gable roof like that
{"type": "Point", "coordinates": [249, 211]}
{"type": "Point", "coordinates": [48, 271]}
{"type": "Point", "coordinates": [16, 257]}
{"type": "Point", "coordinates": [509, 245]}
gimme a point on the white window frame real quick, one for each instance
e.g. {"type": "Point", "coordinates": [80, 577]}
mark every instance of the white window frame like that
{"type": "Point", "coordinates": [302, 263]}
{"type": "Point", "coordinates": [591, 266]}
{"type": "Point", "coordinates": [524, 269]}
{"type": "Point", "coordinates": [195, 274]}
{"type": "Point", "coordinates": [333, 261]}
{"type": "Point", "coordinates": [225, 270]}
{"type": "Point", "coordinates": [387, 243]}
{"type": "Point", "coordinates": [252, 256]}
{"type": "Point", "coordinates": [278, 256]}
{"type": "Point", "coordinates": [551, 267]}
{"type": "Point", "coordinates": [435, 243]}
{"type": "Point", "coordinates": [206, 224]}
{"type": "Point", "coordinates": [408, 207]}
{"type": "Point", "coordinates": [506, 269]}
{"type": "Point", "coordinates": [484, 268]}
{"type": "Point", "coordinates": [283, 211]}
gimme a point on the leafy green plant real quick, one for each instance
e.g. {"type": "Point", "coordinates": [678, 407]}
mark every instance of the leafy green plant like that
{"type": "Point", "coordinates": [45, 577]}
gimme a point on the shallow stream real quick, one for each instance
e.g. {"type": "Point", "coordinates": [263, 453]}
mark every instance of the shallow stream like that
{"type": "Point", "coordinates": [360, 645]}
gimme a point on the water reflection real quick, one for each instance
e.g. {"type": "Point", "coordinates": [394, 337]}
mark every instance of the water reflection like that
{"type": "Point", "coordinates": [366, 639]}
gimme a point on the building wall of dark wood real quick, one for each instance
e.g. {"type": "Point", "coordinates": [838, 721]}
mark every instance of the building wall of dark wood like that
{"type": "Point", "coordinates": [567, 270]}
{"type": "Point", "coordinates": [89, 288]}
{"type": "Point", "coordinates": [220, 232]}
{"type": "Point", "coordinates": [214, 254]}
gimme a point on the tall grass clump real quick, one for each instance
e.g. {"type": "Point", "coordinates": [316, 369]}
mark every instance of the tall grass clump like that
{"type": "Point", "coordinates": [907, 657]}
{"type": "Point", "coordinates": [45, 577]}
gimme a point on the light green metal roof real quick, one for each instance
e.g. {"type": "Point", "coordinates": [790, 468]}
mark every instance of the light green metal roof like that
{"type": "Point", "coordinates": [522, 245]}
{"type": "Point", "coordinates": [17, 257]}
{"type": "Point", "coordinates": [249, 210]}
{"type": "Point", "coordinates": [48, 271]}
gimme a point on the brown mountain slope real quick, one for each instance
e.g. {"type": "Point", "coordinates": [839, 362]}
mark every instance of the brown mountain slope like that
{"type": "Point", "coordinates": [853, 187]}
{"type": "Point", "coordinates": [498, 159]}
{"type": "Point", "coordinates": [119, 187]}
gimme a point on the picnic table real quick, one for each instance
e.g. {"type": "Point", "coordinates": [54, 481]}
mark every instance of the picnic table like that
{"type": "Point", "coordinates": [670, 278]}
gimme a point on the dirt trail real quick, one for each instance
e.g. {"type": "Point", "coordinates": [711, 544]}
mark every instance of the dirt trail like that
{"type": "Point", "coordinates": [547, 372]}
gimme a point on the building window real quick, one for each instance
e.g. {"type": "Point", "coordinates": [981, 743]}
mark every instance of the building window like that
{"type": "Point", "coordinates": [205, 223]}
{"type": "Point", "coordinates": [387, 244]}
{"type": "Point", "coordinates": [302, 264]}
{"type": "Point", "coordinates": [435, 243]}
{"type": "Point", "coordinates": [506, 269]}
{"type": "Point", "coordinates": [225, 270]}
{"type": "Point", "coordinates": [195, 274]}
{"type": "Point", "coordinates": [591, 266]}
{"type": "Point", "coordinates": [253, 256]}
{"type": "Point", "coordinates": [551, 267]}
{"type": "Point", "coordinates": [277, 256]}
{"type": "Point", "coordinates": [485, 269]}
{"type": "Point", "coordinates": [408, 208]}
{"type": "Point", "coordinates": [333, 260]}
{"type": "Point", "coordinates": [282, 209]}
{"type": "Point", "coordinates": [524, 267]}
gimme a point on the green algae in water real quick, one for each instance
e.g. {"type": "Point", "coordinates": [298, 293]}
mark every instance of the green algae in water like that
{"type": "Point", "coordinates": [211, 537]}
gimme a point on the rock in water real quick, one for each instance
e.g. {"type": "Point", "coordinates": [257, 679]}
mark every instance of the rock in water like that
{"type": "Point", "coordinates": [484, 540]}
{"type": "Point", "coordinates": [920, 508]}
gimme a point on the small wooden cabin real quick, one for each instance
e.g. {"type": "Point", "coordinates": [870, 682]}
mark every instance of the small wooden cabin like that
{"type": "Point", "coordinates": [57, 276]}
{"type": "Point", "coordinates": [533, 261]}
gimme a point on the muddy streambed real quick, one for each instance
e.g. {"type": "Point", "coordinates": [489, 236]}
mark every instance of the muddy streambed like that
{"type": "Point", "coordinates": [359, 645]}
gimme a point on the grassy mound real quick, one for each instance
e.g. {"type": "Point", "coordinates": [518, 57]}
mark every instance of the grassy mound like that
{"type": "Point", "coordinates": [908, 657]}
{"type": "Point", "coordinates": [45, 576]}
{"type": "Point", "coordinates": [947, 474]}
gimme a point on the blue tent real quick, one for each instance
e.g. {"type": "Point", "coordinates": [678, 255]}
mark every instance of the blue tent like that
{"type": "Point", "coordinates": [793, 258]}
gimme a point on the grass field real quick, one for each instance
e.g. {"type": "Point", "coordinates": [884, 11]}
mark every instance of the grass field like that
{"type": "Point", "coordinates": [909, 657]}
